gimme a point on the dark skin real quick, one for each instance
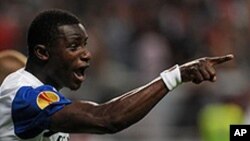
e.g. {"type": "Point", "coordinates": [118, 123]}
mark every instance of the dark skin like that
{"type": "Point", "coordinates": [64, 66]}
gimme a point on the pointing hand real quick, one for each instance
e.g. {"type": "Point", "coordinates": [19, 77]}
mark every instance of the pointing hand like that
{"type": "Point", "coordinates": [202, 69]}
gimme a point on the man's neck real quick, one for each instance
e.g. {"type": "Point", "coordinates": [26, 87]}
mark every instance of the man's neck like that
{"type": "Point", "coordinates": [40, 72]}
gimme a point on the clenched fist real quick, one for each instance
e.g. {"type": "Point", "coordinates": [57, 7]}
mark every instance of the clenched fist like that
{"type": "Point", "coordinates": [202, 69]}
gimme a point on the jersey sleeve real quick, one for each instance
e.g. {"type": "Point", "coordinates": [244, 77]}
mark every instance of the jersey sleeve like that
{"type": "Point", "coordinates": [33, 107]}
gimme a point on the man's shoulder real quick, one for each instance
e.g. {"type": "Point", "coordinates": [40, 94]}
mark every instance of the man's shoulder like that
{"type": "Point", "coordinates": [11, 81]}
{"type": "Point", "coordinates": [20, 78]}
{"type": "Point", "coordinates": [14, 81]}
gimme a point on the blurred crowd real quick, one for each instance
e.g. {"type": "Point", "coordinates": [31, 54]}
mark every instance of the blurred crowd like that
{"type": "Point", "coordinates": [132, 41]}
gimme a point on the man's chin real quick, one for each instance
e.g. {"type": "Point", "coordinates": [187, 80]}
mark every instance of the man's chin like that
{"type": "Point", "coordinates": [74, 87]}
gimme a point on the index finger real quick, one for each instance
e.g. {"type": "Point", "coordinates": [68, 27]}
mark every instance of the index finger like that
{"type": "Point", "coordinates": [220, 59]}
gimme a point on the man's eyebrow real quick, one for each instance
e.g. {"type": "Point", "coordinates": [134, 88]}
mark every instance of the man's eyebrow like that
{"type": "Point", "coordinates": [76, 36]}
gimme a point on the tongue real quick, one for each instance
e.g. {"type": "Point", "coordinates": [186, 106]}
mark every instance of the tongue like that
{"type": "Point", "coordinates": [79, 75]}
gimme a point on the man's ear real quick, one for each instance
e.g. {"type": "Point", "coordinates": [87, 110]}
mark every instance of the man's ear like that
{"type": "Point", "coordinates": [41, 52]}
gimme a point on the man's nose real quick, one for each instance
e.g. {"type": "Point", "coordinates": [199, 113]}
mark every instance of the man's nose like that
{"type": "Point", "coordinates": [86, 55]}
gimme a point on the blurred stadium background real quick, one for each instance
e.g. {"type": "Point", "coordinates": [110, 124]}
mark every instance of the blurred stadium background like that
{"type": "Point", "coordinates": [132, 41]}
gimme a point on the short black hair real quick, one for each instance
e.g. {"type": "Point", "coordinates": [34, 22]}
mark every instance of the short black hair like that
{"type": "Point", "coordinates": [44, 28]}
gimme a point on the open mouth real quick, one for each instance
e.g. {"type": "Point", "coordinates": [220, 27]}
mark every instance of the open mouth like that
{"type": "Point", "coordinates": [80, 73]}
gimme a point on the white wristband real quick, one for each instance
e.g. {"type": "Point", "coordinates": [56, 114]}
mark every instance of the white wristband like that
{"type": "Point", "coordinates": [171, 77]}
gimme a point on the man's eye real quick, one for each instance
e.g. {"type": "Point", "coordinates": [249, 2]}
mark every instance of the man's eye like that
{"type": "Point", "coordinates": [73, 45]}
{"type": "Point", "coordinates": [85, 43]}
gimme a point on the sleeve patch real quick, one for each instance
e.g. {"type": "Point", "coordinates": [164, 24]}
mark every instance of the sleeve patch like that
{"type": "Point", "coordinates": [46, 98]}
{"type": "Point", "coordinates": [33, 107]}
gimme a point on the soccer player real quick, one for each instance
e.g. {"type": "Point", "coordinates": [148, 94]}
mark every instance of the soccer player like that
{"type": "Point", "coordinates": [33, 108]}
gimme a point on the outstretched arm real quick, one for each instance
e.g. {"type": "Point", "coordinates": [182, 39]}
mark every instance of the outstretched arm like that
{"type": "Point", "coordinates": [125, 110]}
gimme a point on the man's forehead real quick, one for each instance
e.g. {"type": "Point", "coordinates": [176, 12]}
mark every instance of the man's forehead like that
{"type": "Point", "coordinates": [73, 29]}
{"type": "Point", "coordinates": [83, 28]}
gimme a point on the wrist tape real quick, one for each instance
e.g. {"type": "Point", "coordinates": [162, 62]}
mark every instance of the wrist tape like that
{"type": "Point", "coordinates": [172, 77]}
